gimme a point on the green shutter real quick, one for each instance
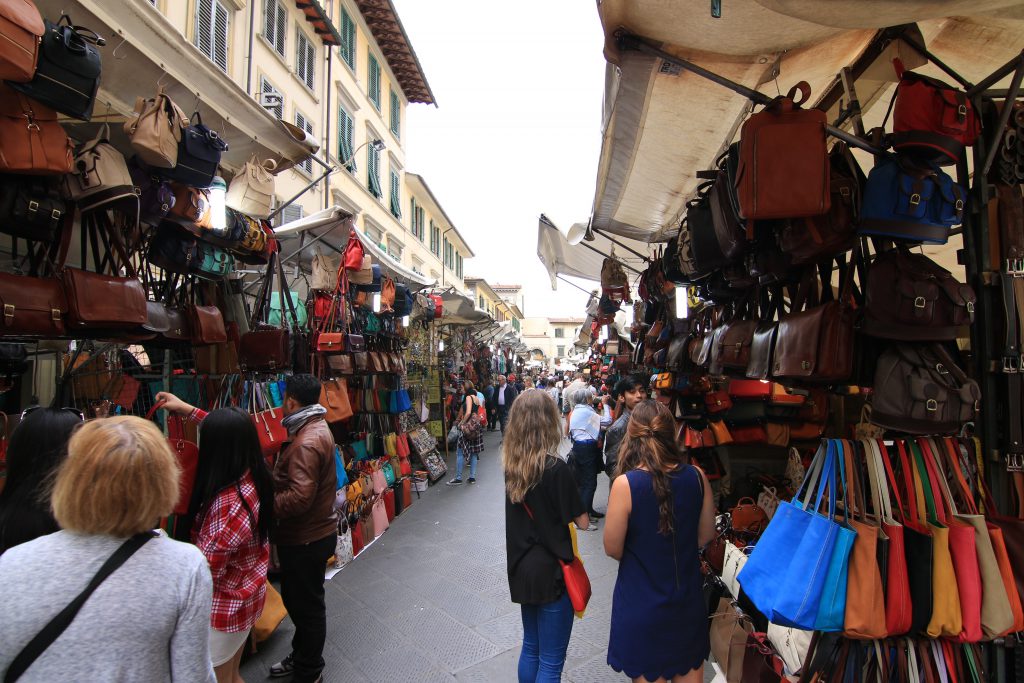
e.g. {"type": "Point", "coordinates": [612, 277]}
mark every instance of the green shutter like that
{"type": "Point", "coordinates": [373, 80]}
{"type": "Point", "coordinates": [396, 195]}
{"type": "Point", "coordinates": [373, 172]}
{"type": "Point", "coordinates": [348, 36]}
{"type": "Point", "coordinates": [346, 131]}
{"type": "Point", "coordinates": [396, 114]}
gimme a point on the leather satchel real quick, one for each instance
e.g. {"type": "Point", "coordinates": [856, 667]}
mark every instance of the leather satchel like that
{"type": "Point", "coordinates": [32, 306]}
{"type": "Point", "coordinates": [21, 28]}
{"type": "Point", "coordinates": [911, 298]}
{"type": "Point", "coordinates": [207, 325]}
{"type": "Point", "coordinates": [334, 397]}
{"type": "Point", "coordinates": [100, 175]}
{"type": "Point", "coordinates": [67, 74]}
{"type": "Point", "coordinates": [729, 229]}
{"type": "Point", "coordinates": [31, 140]}
{"type": "Point", "coordinates": [919, 389]}
{"type": "Point", "coordinates": [191, 208]}
{"type": "Point", "coordinates": [783, 169]}
{"type": "Point", "coordinates": [199, 154]}
{"type": "Point", "coordinates": [102, 302]}
{"type": "Point", "coordinates": [252, 191]}
{"type": "Point", "coordinates": [265, 349]}
{"type": "Point", "coordinates": [156, 197]}
{"type": "Point", "coordinates": [155, 130]}
{"type": "Point", "coordinates": [31, 208]}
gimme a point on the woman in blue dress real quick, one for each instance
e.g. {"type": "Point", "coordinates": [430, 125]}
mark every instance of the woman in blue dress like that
{"type": "Point", "coordinates": [659, 513]}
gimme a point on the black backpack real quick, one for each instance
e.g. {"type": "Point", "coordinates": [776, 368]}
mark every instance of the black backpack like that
{"type": "Point", "coordinates": [199, 154]}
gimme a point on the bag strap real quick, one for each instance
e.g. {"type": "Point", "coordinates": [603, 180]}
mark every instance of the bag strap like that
{"type": "Point", "coordinates": [42, 640]}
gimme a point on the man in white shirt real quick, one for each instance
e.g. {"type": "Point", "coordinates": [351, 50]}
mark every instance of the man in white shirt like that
{"type": "Point", "coordinates": [584, 429]}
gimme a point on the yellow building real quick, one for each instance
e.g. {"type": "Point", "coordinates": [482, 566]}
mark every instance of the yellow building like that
{"type": "Point", "coordinates": [435, 247]}
{"type": "Point", "coordinates": [488, 300]}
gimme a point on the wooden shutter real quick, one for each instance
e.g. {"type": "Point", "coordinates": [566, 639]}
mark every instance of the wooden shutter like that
{"type": "Point", "coordinates": [348, 36]}
{"type": "Point", "coordinates": [275, 22]}
{"type": "Point", "coordinates": [306, 125]}
{"type": "Point", "coordinates": [305, 59]}
{"type": "Point", "coordinates": [346, 132]}
{"type": "Point", "coordinates": [396, 114]}
{"type": "Point", "coordinates": [373, 172]}
{"type": "Point", "coordinates": [396, 195]}
{"type": "Point", "coordinates": [267, 87]}
{"type": "Point", "coordinates": [373, 80]}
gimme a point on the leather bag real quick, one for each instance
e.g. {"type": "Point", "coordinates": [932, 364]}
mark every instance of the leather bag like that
{"type": "Point", "coordinates": [156, 197]}
{"type": "Point", "coordinates": [334, 397]}
{"type": "Point", "coordinates": [931, 119]}
{"type": "Point", "coordinates": [919, 389]}
{"type": "Point", "coordinates": [21, 30]}
{"type": "Point", "coordinates": [920, 549]}
{"type": "Point", "coordinates": [728, 635]}
{"type": "Point", "coordinates": [267, 420]}
{"type": "Point", "coordinates": [31, 207]}
{"type": "Point", "coordinates": [865, 616]}
{"type": "Point", "coordinates": [729, 229]}
{"type": "Point", "coordinates": [32, 306]}
{"type": "Point", "coordinates": [898, 606]}
{"type": "Point", "coordinates": [103, 302]}
{"type": "Point", "coordinates": [354, 254]}
{"type": "Point", "coordinates": [325, 273]}
{"type": "Point", "coordinates": [252, 190]}
{"type": "Point", "coordinates": [155, 130]}
{"type": "Point", "coordinates": [783, 167]}
{"type": "Point", "coordinates": [266, 348]}
{"type": "Point", "coordinates": [909, 297]}
{"type": "Point", "coordinates": [907, 203]}
{"type": "Point", "coordinates": [199, 154]}
{"type": "Point", "coordinates": [31, 140]}
{"type": "Point", "coordinates": [191, 208]}
{"type": "Point", "coordinates": [67, 74]}
{"type": "Point", "coordinates": [207, 325]}
{"type": "Point", "coordinates": [100, 175]}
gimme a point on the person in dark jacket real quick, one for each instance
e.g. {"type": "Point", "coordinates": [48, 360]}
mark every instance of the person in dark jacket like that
{"type": "Point", "coordinates": [504, 395]}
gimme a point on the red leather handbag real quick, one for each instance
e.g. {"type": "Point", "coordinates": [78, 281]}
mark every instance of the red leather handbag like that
{"type": "Point", "coordinates": [577, 583]}
{"type": "Point", "coordinates": [267, 420]}
{"type": "Point", "coordinates": [899, 610]}
{"type": "Point", "coordinates": [188, 457]}
{"type": "Point", "coordinates": [932, 118]}
{"type": "Point", "coordinates": [749, 389]}
{"type": "Point", "coordinates": [389, 504]}
{"type": "Point", "coordinates": [353, 258]}
{"type": "Point", "coordinates": [717, 401]}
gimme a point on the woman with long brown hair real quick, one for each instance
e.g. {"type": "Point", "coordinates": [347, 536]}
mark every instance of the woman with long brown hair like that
{"type": "Point", "coordinates": [659, 513]}
{"type": "Point", "coordinates": [541, 499]}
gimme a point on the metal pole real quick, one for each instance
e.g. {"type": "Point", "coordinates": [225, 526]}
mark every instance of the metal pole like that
{"type": "Point", "coordinates": [1004, 117]}
{"type": "Point", "coordinates": [573, 284]}
{"type": "Point", "coordinates": [598, 251]}
{"type": "Point", "coordinates": [614, 241]}
{"type": "Point", "coordinates": [923, 51]}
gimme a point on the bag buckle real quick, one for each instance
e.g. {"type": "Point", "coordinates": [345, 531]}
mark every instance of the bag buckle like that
{"type": "Point", "coordinates": [941, 369]}
{"type": "Point", "coordinates": [54, 314]}
{"type": "Point", "coordinates": [33, 206]}
{"type": "Point", "coordinates": [919, 302]}
{"type": "Point", "coordinates": [970, 307]}
{"type": "Point", "coordinates": [1010, 365]}
{"type": "Point", "coordinates": [931, 405]}
{"type": "Point", "coordinates": [56, 214]}
{"type": "Point", "coordinates": [1015, 462]}
{"type": "Point", "coordinates": [961, 112]}
{"type": "Point", "coordinates": [8, 312]}
{"type": "Point", "coordinates": [805, 364]}
{"type": "Point", "coordinates": [915, 199]}
{"type": "Point", "coordinates": [959, 205]}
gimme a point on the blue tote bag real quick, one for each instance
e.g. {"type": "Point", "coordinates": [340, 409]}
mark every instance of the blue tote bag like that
{"type": "Point", "coordinates": [772, 555]}
{"type": "Point", "coordinates": [832, 608]}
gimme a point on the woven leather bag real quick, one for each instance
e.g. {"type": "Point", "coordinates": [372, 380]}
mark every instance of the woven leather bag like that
{"type": "Point", "coordinates": [155, 130]}
{"type": "Point", "coordinates": [252, 191]}
{"type": "Point", "coordinates": [21, 30]}
{"type": "Point", "coordinates": [31, 140]}
{"type": "Point", "coordinates": [783, 168]}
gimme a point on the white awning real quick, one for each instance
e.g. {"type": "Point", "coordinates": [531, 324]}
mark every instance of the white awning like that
{"type": "Point", "coordinates": [144, 48]}
{"type": "Point", "coordinates": [584, 259]}
{"type": "Point", "coordinates": [661, 125]}
{"type": "Point", "coordinates": [460, 310]}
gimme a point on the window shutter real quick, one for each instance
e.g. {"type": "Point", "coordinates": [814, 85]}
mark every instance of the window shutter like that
{"type": "Point", "coordinates": [211, 31]}
{"type": "Point", "coordinates": [267, 87]}
{"type": "Point", "coordinates": [282, 28]}
{"type": "Point", "coordinates": [396, 114]}
{"type": "Point", "coordinates": [270, 21]}
{"type": "Point", "coordinates": [373, 172]}
{"type": "Point", "coordinates": [220, 36]}
{"type": "Point", "coordinates": [373, 81]}
{"type": "Point", "coordinates": [412, 215]}
{"type": "Point", "coordinates": [306, 125]}
{"type": "Point", "coordinates": [305, 59]}
{"type": "Point", "coordinates": [348, 37]}
{"type": "Point", "coordinates": [292, 212]}
{"type": "Point", "coordinates": [346, 130]}
{"type": "Point", "coordinates": [396, 195]}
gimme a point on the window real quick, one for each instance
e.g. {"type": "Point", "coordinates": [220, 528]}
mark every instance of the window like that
{"type": "Point", "coordinates": [394, 250]}
{"type": "Point", "coordinates": [305, 124]}
{"type": "Point", "coordinates": [305, 59]}
{"type": "Point", "coordinates": [348, 39]}
{"type": "Point", "coordinates": [211, 31]}
{"type": "Point", "coordinates": [561, 351]}
{"type": "Point", "coordinates": [435, 240]}
{"type": "Point", "coordinates": [448, 254]}
{"type": "Point", "coordinates": [373, 171]}
{"type": "Point", "coordinates": [396, 194]}
{"type": "Point", "coordinates": [559, 333]}
{"type": "Point", "coordinates": [396, 114]}
{"type": "Point", "coordinates": [346, 139]}
{"type": "Point", "coordinates": [458, 264]}
{"type": "Point", "coordinates": [483, 304]}
{"type": "Point", "coordinates": [420, 220]}
{"type": "Point", "coordinates": [275, 24]}
{"type": "Point", "coordinates": [292, 212]}
{"type": "Point", "coordinates": [267, 87]}
{"type": "Point", "coordinates": [373, 233]}
{"type": "Point", "coordinates": [373, 80]}
{"type": "Point", "coordinates": [416, 216]}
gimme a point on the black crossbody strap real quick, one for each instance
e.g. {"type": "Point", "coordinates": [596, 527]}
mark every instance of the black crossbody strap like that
{"type": "Point", "coordinates": [30, 653]}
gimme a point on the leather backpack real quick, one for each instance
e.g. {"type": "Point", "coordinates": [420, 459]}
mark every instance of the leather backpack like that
{"type": "Point", "coordinates": [908, 203]}
{"type": "Point", "coordinates": [387, 294]}
{"type": "Point", "coordinates": [31, 140]}
{"type": "Point", "coordinates": [919, 389]}
{"type": "Point", "coordinates": [21, 28]}
{"type": "Point", "coordinates": [156, 196]}
{"type": "Point", "coordinates": [783, 167]}
{"type": "Point", "coordinates": [100, 175]}
{"type": "Point", "coordinates": [252, 190]}
{"type": "Point", "coordinates": [67, 74]}
{"type": "Point", "coordinates": [909, 297]}
{"type": "Point", "coordinates": [156, 129]}
{"type": "Point", "coordinates": [31, 207]}
{"type": "Point", "coordinates": [729, 229]}
{"type": "Point", "coordinates": [932, 120]}
{"type": "Point", "coordinates": [199, 154]}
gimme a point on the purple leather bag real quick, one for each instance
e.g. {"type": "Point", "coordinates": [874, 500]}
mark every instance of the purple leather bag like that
{"type": "Point", "coordinates": [156, 198]}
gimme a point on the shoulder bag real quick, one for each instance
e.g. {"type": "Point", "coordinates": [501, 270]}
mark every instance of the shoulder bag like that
{"type": "Point", "coordinates": [907, 203]}
{"type": "Point", "coordinates": [156, 197]}
{"type": "Point", "coordinates": [31, 207]}
{"type": "Point", "coordinates": [932, 119]}
{"type": "Point", "coordinates": [577, 583]}
{"type": "Point", "coordinates": [266, 348]}
{"type": "Point", "coordinates": [100, 175]}
{"type": "Point", "coordinates": [21, 30]}
{"type": "Point", "coordinates": [199, 154]}
{"type": "Point", "coordinates": [31, 140]}
{"type": "Point", "coordinates": [155, 130]}
{"type": "Point", "coordinates": [252, 191]}
{"type": "Point", "coordinates": [56, 626]}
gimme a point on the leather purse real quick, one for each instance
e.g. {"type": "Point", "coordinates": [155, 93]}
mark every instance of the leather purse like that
{"type": "Point", "coordinates": [199, 154]}
{"type": "Point", "coordinates": [251, 191]}
{"type": "Point", "coordinates": [31, 140]}
{"type": "Point", "coordinates": [266, 348]}
{"type": "Point", "coordinates": [207, 325]}
{"type": "Point", "coordinates": [330, 342]}
{"type": "Point", "coordinates": [31, 207]}
{"type": "Point", "coordinates": [191, 208]}
{"type": "Point", "coordinates": [67, 74]}
{"type": "Point", "coordinates": [100, 175]}
{"type": "Point", "coordinates": [334, 397]}
{"type": "Point", "coordinates": [32, 306]}
{"type": "Point", "coordinates": [717, 401]}
{"type": "Point", "coordinates": [156, 197]}
{"type": "Point", "coordinates": [155, 130]}
{"type": "Point", "coordinates": [21, 31]}
{"type": "Point", "coordinates": [103, 302]}
{"type": "Point", "coordinates": [747, 516]}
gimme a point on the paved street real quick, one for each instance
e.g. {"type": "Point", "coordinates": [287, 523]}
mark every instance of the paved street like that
{"type": "Point", "coordinates": [429, 600]}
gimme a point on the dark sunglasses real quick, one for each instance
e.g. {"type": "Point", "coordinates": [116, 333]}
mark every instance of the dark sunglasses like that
{"type": "Point", "coordinates": [32, 409]}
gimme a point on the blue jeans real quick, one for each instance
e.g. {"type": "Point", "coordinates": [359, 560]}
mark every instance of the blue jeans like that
{"type": "Point", "coordinates": [459, 462]}
{"type": "Point", "coordinates": [546, 631]}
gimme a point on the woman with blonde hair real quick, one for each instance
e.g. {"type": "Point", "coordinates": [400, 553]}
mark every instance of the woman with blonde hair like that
{"type": "Point", "coordinates": [541, 500]}
{"type": "Point", "coordinates": [660, 511]}
{"type": "Point", "coordinates": [106, 598]}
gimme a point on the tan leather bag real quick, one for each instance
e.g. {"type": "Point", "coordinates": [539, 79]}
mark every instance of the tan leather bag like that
{"type": "Point", "coordinates": [729, 629]}
{"type": "Point", "coordinates": [21, 28]}
{"type": "Point", "coordinates": [191, 208]}
{"type": "Point", "coordinates": [387, 294]}
{"type": "Point", "coordinates": [364, 275]}
{"type": "Point", "coordinates": [155, 130]}
{"type": "Point", "coordinates": [100, 174]}
{"type": "Point", "coordinates": [252, 191]}
{"type": "Point", "coordinates": [865, 595]}
{"type": "Point", "coordinates": [31, 140]}
{"type": "Point", "coordinates": [325, 273]}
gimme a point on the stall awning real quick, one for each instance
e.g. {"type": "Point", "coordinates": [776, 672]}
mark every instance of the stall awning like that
{"type": "Point", "coordinates": [584, 259]}
{"type": "Point", "coordinates": [662, 124]}
{"type": "Point", "coordinates": [460, 310]}
{"type": "Point", "coordinates": [144, 48]}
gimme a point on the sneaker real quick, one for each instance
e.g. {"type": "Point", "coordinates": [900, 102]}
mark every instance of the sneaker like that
{"type": "Point", "coordinates": [283, 668]}
{"type": "Point", "coordinates": [472, 480]}
{"type": "Point", "coordinates": [593, 527]}
{"type": "Point", "coordinates": [454, 482]}
{"type": "Point", "coordinates": [597, 515]}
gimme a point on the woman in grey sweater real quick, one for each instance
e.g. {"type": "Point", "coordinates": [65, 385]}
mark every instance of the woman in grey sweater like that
{"type": "Point", "coordinates": [148, 621]}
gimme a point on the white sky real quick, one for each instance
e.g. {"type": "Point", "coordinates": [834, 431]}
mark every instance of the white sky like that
{"type": "Point", "coordinates": [516, 132]}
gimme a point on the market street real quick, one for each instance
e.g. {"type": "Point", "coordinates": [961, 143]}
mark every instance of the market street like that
{"type": "Point", "coordinates": [429, 601]}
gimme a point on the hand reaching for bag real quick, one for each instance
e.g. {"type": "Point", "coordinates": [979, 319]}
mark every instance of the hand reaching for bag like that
{"type": "Point", "coordinates": [173, 404]}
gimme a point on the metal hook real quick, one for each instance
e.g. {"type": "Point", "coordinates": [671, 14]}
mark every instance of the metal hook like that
{"type": "Point", "coordinates": [195, 105]}
{"type": "Point", "coordinates": [160, 82]}
{"type": "Point", "coordinates": [119, 46]}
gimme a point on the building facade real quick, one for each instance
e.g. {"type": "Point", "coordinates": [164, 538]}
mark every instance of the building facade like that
{"type": "Point", "coordinates": [551, 339]}
{"type": "Point", "coordinates": [436, 248]}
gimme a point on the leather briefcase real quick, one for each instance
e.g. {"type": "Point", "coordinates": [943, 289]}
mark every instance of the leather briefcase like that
{"type": "Point", "coordinates": [103, 302]}
{"type": "Point", "coordinates": [31, 207]}
{"type": "Point", "coordinates": [21, 28]}
{"type": "Point", "coordinates": [39, 148]}
{"type": "Point", "coordinates": [267, 349]}
{"type": "Point", "coordinates": [32, 306]}
{"type": "Point", "coordinates": [784, 170]}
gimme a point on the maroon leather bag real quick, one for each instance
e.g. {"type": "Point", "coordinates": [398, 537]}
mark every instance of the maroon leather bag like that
{"type": "Point", "coordinates": [32, 306]}
{"type": "Point", "coordinates": [103, 302]}
{"type": "Point", "coordinates": [784, 170]}
{"type": "Point", "coordinates": [207, 325]}
{"type": "Point", "coordinates": [266, 348]}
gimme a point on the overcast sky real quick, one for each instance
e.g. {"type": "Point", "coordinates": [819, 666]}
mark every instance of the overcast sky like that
{"type": "Point", "coordinates": [516, 132]}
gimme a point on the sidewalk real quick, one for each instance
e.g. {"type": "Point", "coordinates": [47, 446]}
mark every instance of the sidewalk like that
{"type": "Point", "coordinates": [429, 600]}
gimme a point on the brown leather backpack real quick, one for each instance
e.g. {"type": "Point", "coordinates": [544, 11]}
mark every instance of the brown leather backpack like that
{"type": "Point", "coordinates": [31, 140]}
{"type": "Point", "coordinates": [387, 294]}
{"type": "Point", "coordinates": [21, 28]}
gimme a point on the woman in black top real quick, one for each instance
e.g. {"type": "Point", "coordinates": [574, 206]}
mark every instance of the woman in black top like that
{"type": "Point", "coordinates": [541, 499]}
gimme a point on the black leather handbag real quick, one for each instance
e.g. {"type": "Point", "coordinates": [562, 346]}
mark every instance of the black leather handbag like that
{"type": "Point", "coordinates": [68, 72]}
{"type": "Point", "coordinates": [199, 154]}
{"type": "Point", "coordinates": [30, 207]}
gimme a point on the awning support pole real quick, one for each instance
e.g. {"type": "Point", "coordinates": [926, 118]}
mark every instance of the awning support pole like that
{"type": "Point", "coordinates": [997, 75]}
{"type": "Point", "coordinates": [328, 170]}
{"type": "Point", "coordinates": [614, 241]}
{"type": "Point", "coordinates": [924, 52]}
{"type": "Point", "coordinates": [573, 284]}
{"type": "Point", "coordinates": [1004, 115]}
{"type": "Point", "coordinates": [598, 251]}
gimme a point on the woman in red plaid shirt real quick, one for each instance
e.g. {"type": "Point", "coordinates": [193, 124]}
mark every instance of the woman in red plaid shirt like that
{"type": "Point", "coordinates": [231, 508]}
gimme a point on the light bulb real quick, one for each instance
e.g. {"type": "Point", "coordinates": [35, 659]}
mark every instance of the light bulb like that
{"type": "Point", "coordinates": [440, 345]}
{"type": "Point", "coordinates": [405, 321]}
{"type": "Point", "coordinates": [682, 302]}
{"type": "Point", "coordinates": [218, 209]}
{"type": "Point", "coordinates": [376, 302]}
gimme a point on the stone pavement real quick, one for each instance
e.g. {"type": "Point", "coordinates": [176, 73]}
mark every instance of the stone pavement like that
{"type": "Point", "coordinates": [429, 600]}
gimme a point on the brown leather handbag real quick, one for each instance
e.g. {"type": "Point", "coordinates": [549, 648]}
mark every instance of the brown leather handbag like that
{"type": "Point", "coordinates": [31, 140]}
{"type": "Point", "coordinates": [191, 208]}
{"type": "Point", "coordinates": [103, 302]}
{"type": "Point", "coordinates": [21, 30]}
{"type": "Point", "coordinates": [334, 397]}
{"type": "Point", "coordinates": [762, 343]}
{"type": "Point", "coordinates": [207, 325]}
{"type": "Point", "coordinates": [784, 170]}
{"type": "Point", "coordinates": [266, 348]}
{"type": "Point", "coordinates": [816, 344]}
{"type": "Point", "coordinates": [387, 294]}
{"type": "Point", "coordinates": [32, 306]}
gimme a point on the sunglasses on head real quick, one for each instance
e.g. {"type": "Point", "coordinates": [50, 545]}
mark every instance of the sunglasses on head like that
{"type": "Point", "coordinates": [74, 411]}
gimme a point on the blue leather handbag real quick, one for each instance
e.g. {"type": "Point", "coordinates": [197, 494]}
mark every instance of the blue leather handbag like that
{"type": "Point", "coordinates": [910, 204]}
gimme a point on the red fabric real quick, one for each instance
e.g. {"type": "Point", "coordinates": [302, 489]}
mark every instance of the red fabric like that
{"type": "Point", "coordinates": [238, 558]}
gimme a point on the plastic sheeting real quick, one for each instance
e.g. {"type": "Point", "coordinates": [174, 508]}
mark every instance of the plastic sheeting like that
{"type": "Point", "coordinates": [583, 260]}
